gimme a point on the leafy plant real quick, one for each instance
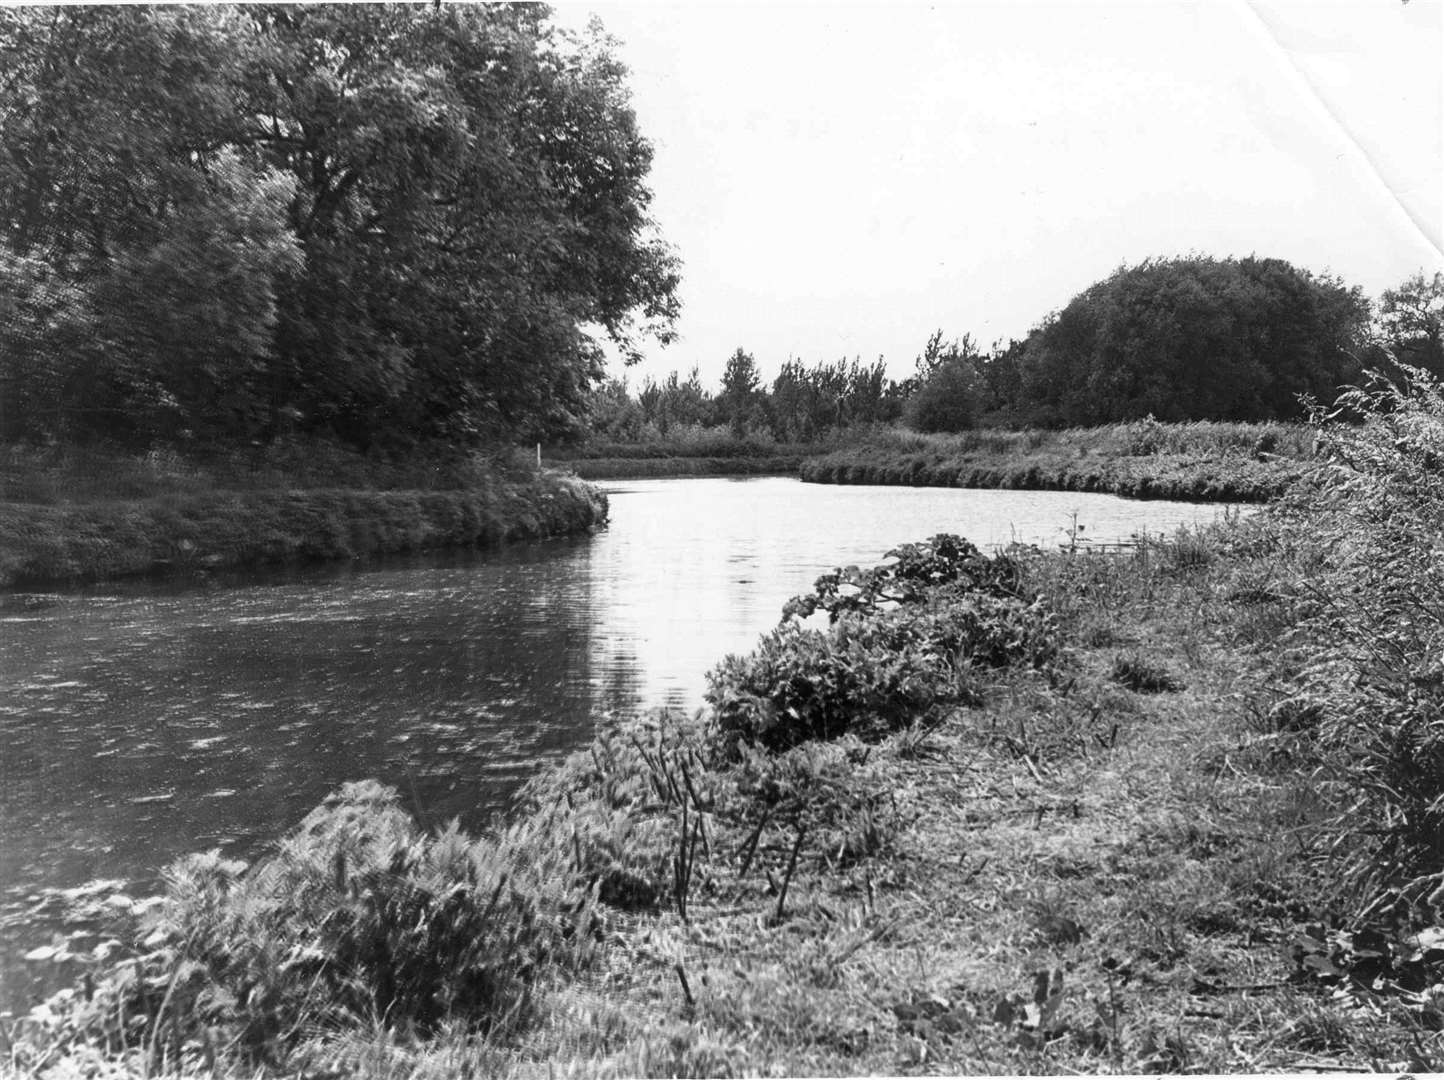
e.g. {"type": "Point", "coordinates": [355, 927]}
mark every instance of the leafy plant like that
{"type": "Point", "coordinates": [903, 641]}
{"type": "Point", "coordinates": [944, 559]}
{"type": "Point", "coordinates": [358, 915]}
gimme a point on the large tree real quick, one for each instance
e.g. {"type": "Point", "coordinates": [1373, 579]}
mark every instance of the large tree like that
{"type": "Point", "coordinates": [1194, 338]}
{"type": "Point", "coordinates": [388, 223]}
{"type": "Point", "coordinates": [1411, 321]}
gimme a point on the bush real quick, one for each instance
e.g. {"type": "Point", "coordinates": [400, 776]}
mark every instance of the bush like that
{"type": "Point", "coordinates": [862, 674]}
{"type": "Point", "coordinates": [358, 916]}
{"type": "Point", "coordinates": [943, 560]}
{"type": "Point", "coordinates": [903, 640]}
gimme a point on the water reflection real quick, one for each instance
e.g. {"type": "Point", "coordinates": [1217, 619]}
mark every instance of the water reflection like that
{"type": "Point", "coordinates": [141, 722]}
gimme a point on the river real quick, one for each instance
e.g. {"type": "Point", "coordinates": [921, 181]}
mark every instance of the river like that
{"type": "Point", "coordinates": [141, 721]}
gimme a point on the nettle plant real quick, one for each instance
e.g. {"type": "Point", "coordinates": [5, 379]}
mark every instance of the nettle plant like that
{"type": "Point", "coordinates": [903, 640]}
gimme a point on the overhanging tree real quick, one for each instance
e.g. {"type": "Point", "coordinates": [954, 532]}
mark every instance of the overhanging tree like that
{"type": "Point", "coordinates": [455, 212]}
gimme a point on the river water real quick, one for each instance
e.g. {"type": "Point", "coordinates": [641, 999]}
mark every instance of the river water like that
{"type": "Point", "coordinates": [139, 722]}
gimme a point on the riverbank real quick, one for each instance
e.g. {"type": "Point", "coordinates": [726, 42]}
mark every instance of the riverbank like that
{"type": "Point", "coordinates": [690, 452]}
{"type": "Point", "coordinates": [1203, 462]}
{"type": "Point", "coordinates": [671, 467]}
{"type": "Point", "coordinates": [1198, 462]}
{"type": "Point", "coordinates": [1017, 835]}
{"type": "Point", "coordinates": [1174, 810]}
{"type": "Point", "coordinates": [196, 530]}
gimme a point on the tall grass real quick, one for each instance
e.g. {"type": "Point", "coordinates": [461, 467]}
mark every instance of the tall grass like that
{"type": "Point", "coordinates": [1363, 541]}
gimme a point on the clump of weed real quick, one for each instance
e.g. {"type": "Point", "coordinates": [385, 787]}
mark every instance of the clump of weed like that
{"type": "Point", "coordinates": [1143, 676]}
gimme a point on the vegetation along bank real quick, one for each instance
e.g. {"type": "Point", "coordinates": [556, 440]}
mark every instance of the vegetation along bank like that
{"type": "Point", "coordinates": [180, 524]}
{"type": "Point", "coordinates": [1171, 811]}
{"type": "Point", "coordinates": [1204, 461]}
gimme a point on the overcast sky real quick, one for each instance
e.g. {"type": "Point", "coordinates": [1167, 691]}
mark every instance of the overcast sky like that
{"type": "Point", "coordinates": [842, 180]}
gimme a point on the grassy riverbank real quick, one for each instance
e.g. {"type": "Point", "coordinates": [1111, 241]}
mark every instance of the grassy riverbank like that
{"type": "Point", "coordinates": [1175, 810]}
{"type": "Point", "coordinates": [660, 467]}
{"type": "Point", "coordinates": [686, 452]}
{"type": "Point", "coordinates": [1214, 462]}
{"type": "Point", "coordinates": [87, 517]}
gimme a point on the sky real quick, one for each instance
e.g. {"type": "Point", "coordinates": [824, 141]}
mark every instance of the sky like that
{"type": "Point", "coordinates": [842, 180]}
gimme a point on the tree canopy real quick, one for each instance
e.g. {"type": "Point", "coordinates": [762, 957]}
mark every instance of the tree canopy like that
{"type": "Point", "coordinates": [1411, 321]}
{"type": "Point", "coordinates": [385, 223]}
{"type": "Point", "coordinates": [1194, 339]}
{"type": "Point", "coordinates": [945, 393]}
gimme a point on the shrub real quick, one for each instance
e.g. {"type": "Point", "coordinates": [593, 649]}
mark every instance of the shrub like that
{"type": "Point", "coordinates": [903, 640]}
{"type": "Point", "coordinates": [943, 560]}
{"type": "Point", "coordinates": [357, 916]}
{"type": "Point", "coordinates": [860, 675]}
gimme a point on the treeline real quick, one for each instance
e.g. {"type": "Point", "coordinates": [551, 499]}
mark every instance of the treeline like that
{"type": "Point", "coordinates": [383, 225]}
{"type": "Point", "coordinates": [1187, 339]}
{"type": "Point", "coordinates": [801, 405]}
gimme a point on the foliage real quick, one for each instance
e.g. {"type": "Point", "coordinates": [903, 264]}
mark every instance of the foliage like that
{"type": "Point", "coordinates": [1203, 460]}
{"type": "Point", "coordinates": [902, 641]}
{"type": "Point", "coordinates": [1193, 339]}
{"type": "Point", "coordinates": [946, 393]}
{"type": "Point", "coordinates": [862, 674]}
{"type": "Point", "coordinates": [740, 381]}
{"type": "Point", "coordinates": [674, 401]}
{"type": "Point", "coordinates": [612, 413]}
{"type": "Point", "coordinates": [391, 223]}
{"type": "Point", "coordinates": [357, 915]}
{"type": "Point", "coordinates": [197, 530]}
{"type": "Point", "coordinates": [1411, 321]}
{"type": "Point", "coordinates": [808, 402]}
{"type": "Point", "coordinates": [1366, 541]}
{"type": "Point", "coordinates": [918, 569]}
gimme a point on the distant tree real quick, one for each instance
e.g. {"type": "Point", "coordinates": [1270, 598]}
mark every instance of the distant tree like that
{"type": "Point", "coordinates": [740, 381]}
{"type": "Point", "coordinates": [872, 398]}
{"type": "Point", "coordinates": [1196, 338]}
{"type": "Point", "coordinates": [947, 391]}
{"type": "Point", "coordinates": [939, 351]}
{"type": "Point", "coordinates": [1002, 383]}
{"type": "Point", "coordinates": [675, 401]}
{"type": "Point", "coordinates": [613, 413]}
{"type": "Point", "coordinates": [1411, 321]}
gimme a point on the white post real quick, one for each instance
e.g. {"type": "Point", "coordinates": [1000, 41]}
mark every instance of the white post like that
{"type": "Point", "coordinates": [538, 455]}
